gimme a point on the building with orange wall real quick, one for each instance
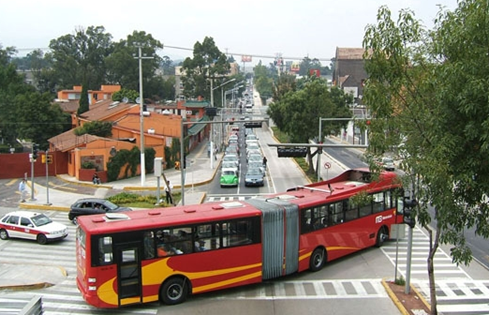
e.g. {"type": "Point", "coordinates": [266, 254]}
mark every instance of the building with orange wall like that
{"type": "Point", "coordinates": [160, 127]}
{"type": "Point", "coordinates": [105, 93]}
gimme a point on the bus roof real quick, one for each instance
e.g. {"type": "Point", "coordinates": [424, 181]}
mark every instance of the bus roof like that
{"type": "Point", "coordinates": [170, 216]}
{"type": "Point", "coordinates": [340, 187]}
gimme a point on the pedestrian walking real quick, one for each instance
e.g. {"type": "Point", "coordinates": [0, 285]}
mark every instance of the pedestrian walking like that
{"type": "Point", "coordinates": [23, 190]}
{"type": "Point", "coordinates": [168, 189]}
{"type": "Point", "coordinates": [264, 162]}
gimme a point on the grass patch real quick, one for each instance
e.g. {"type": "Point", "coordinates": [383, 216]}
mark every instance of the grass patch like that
{"type": "Point", "coordinates": [134, 200]}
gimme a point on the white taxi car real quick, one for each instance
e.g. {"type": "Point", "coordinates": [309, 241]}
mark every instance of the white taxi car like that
{"type": "Point", "coordinates": [32, 226]}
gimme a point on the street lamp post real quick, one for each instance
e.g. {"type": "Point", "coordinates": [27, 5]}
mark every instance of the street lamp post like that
{"type": "Point", "coordinates": [141, 113]}
{"type": "Point", "coordinates": [221, 140]}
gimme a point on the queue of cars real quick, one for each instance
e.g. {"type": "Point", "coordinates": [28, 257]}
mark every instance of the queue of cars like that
{"type": "Point", "coordinates": [230, 167]}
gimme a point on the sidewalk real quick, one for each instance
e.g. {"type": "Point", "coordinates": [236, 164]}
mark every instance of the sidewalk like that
{"type": "Point", "coordinates": [198, 172]}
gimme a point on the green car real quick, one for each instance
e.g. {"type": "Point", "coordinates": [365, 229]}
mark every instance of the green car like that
{"type": "Point", "coordinates": [229, 177]}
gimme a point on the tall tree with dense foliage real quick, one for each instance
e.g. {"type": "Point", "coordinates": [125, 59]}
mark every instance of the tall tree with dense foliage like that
{"type": "Point", "coordinates": [208, 63]}
{"type": "Point", "coordinates": [297, 113]}
{"type": "Point", "coordinates": [428, 93]}
{"type": "Point", "coordinates": [11, 85]}
{"type": "Point", "coordinates": [80, 57]}
{"type": "Point", "coordinates": [263, 81]}
{"type": "Point", "coordinates": [38, 119]}
{"type": "Point", "coordinates": [123, 63]}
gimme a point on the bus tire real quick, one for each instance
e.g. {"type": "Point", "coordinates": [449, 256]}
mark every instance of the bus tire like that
{"type": "Point", "coordinates": [3, 234]}
{"type": "Point", "coordinates": [42, 239]}
{"type": "Point", "coordinates": [174, 291]}
{"type": "Point", "coordinates": [318, 259]}
{"type": "Point", "coordinates": [382, 235]}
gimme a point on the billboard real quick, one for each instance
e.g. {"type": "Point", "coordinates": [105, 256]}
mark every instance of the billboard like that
{"type": "Point", "coordinates": [315, 72]}
{"type": "Point", "coordinates": [295, 66]}
{"type": "Point", "coordinates": [246, 58]}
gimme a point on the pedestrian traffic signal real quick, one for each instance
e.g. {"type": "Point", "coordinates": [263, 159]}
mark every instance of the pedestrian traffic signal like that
{"type": "Point", "coordinates": [292, 151]}
{"type": "Point", "coordinates": [409, 218]}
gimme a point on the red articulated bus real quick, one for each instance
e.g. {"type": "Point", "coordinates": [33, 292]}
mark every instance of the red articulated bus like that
{"type": "Point", "coordinates": [166, 254]}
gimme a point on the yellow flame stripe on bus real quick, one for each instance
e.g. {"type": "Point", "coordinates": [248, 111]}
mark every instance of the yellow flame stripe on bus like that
{"type": "Point", "coordinates": [155, 273]}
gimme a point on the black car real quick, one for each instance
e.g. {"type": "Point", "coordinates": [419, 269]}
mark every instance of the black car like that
{"type": "Point", "coordinates": [87, 206]}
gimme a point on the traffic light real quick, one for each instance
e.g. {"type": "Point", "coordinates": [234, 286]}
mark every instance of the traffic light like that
{"type": "Point", "coordinates": [49, 159]}
{"type": "Point", "coordinates": [211, 111]}
{"type": "Point", "coordinates": [408, 218]}
{"type": "Point", "coordinates": [291, 151]}
{"type": "Point", "coordinates": [35, 151]}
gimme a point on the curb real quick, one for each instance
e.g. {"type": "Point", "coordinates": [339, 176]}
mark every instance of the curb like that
{"type": "Point", "coordinates": [398, 303]}
{"type": "Point", "coordinates": [43, 207]}
{"type": "Point", "coordinates": [35, 285]}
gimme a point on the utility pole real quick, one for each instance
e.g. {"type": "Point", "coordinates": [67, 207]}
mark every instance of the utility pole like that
{"type": "Point", "coordinates": [141, 113]}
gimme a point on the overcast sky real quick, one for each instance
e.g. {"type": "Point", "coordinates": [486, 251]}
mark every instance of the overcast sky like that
{"type": "Point", "coordinates": [292, 28]}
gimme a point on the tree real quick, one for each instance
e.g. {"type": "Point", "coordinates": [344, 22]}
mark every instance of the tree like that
{"type": "Point", "coordinates": [208, 63]}
{"type": "Point", "coordinates": [298, 112]}
{"type": "Point", "coordinates": [123, 63]}
{"type": "Point", "coordinates": [428, 93]}
{"type": "Point", "coordinates": [263, 81]}
{"type": "Point", "coordinates": [96, 128]}
{"type": "Point", "coordinates": [37, 119]}
{"type": "Point", "coordinates": [11, 85]}
{"type": "Point", "coordinates": [308, 64]}
{"type": "Point", "coordinates": [131, 95]}
{"type": "Point", "coordinates": [81, 57]}
{"type": "Point", "coordinates": [84, 105]}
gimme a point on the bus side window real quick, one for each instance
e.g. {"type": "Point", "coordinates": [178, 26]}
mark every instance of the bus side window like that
{"type": "Point", "coordinates": [378, 202]}
{"type": "Point", "coordinates": [306, 224]}
{"type": "Point", "coordinates": [149, 245]}
{"type": "Point", "coordinates": [351, 212]}
{"type": "Point", "coordinates": [336, 216]}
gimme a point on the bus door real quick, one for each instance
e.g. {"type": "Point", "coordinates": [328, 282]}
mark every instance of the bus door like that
{"type": "Point", "coordinates": [280, 238]}
{"type": "Point", "coordinates": [129, 273]}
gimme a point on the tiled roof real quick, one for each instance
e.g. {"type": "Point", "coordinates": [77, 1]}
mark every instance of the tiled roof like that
{"type": "Point", "coordinates": [69, 106]}
{"type": "Point", "coordinates": [102, 110]}
{"type": "Point", "coordinates": [349, 53]}
{"type": "Point", "coordinates": [68, 140]}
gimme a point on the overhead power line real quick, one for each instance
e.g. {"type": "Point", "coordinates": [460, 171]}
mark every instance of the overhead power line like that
{"type": "Point", "coordinates": [227, 53]}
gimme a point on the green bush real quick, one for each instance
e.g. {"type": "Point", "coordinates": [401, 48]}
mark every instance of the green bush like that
{"type": "Point", "coordinates": [88, 165]}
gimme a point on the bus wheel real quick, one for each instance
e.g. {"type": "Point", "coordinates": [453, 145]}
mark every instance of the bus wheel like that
{"type": "Point", "coordinates": [3, 234]}
{"type": "Point", "coordinates": [174, 291]}
{"type": "Point", "coordinates": [318, 259]}
{"type": "Point", "coordinates": [382, 235]}
{"type": "Point", "coordinates": [41, 239]}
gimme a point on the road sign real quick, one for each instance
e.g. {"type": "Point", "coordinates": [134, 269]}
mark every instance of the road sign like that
{"type": "Point", "coordinates": [327, 165]}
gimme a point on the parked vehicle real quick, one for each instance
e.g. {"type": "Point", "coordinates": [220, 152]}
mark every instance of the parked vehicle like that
{"type": "Point", "coordinates": [32, 226]}
{"type": "Point", "coordinates": [88, 206]}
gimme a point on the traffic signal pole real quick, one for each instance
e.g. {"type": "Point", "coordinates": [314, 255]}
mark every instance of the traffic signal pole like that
{"type": "Point", "coordinates": [46, 160]}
